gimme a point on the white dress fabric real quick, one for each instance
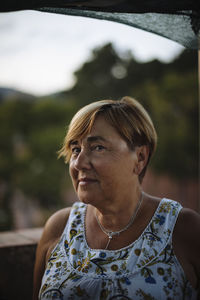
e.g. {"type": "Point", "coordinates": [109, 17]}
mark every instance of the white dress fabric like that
{"type": "Point", "coordinates": [146, 269]}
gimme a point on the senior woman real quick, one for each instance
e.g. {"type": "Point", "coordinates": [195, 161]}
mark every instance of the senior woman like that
{"type": "Point", "coordinates": [117, 242]}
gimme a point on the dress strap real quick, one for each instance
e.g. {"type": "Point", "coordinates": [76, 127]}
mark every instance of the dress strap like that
{"type": "Point", "coordinates": [157, 236]}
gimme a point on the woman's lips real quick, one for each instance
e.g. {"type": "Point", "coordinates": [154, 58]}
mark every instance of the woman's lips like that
{"type": "Point", "coordinates": [86, 181]}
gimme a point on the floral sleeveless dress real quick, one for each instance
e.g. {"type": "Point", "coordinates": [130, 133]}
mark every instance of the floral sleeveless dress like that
{"type": "Point", "coordinates": [146, 269]}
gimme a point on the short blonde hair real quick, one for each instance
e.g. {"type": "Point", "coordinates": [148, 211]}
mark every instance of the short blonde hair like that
{"type": "Point", "coordinates": [127, 116]}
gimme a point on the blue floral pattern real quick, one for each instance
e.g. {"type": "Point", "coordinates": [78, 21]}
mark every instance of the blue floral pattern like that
{"type": "Point", "coordinates": [146, 269]}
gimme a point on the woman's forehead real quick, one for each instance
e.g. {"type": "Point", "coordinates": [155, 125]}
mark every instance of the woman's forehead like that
{"type": "Point", "coordinates": [107, 134]}
{"type": "Point", "coordinates": [100, 130]}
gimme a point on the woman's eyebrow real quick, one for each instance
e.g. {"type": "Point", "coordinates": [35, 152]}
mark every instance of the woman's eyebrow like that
{"type": "Point", "coordinates": [90, 139]}
{"type": "Point", "coordinates": [73, 143]}
{"type": "Point", "coordinates": [96, 138]}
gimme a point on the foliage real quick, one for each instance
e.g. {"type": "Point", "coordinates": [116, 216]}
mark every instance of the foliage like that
{"type": "Point", "coordinates": [31, 133]}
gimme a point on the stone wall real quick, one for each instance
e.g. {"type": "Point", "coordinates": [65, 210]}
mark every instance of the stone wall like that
{"type": "Point", "coordinates": [17, 256]}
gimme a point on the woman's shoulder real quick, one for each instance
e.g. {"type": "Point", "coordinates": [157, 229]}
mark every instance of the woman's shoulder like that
{"type": "Point", "coordinates": [56, 223]}
{"type": "Point", "coordinates": [186, 239]}
{"type": "Point", "coordinates": [53, 230]}
{"type": "Point", "coordinates": [188, 226]}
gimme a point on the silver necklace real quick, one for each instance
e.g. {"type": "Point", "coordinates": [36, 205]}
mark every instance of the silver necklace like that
{"type": "Point", "coordinates": [110, 233]}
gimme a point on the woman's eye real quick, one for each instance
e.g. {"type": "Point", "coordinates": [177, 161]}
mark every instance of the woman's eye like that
{"type": "Point", "coordinates": [99, 147]}
{"type": "Point", "coordinates": [76, 150]}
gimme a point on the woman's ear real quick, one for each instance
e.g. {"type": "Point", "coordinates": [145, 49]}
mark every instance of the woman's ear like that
{"type": "Point", "coordinates": [142, 153]}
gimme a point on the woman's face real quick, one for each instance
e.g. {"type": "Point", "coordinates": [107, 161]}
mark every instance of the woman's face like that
{"type": "Point", "coordinates": [102, 166]}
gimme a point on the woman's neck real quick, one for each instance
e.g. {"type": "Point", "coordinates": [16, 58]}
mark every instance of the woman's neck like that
{"type": "Point", "coordinates": [118, 215]}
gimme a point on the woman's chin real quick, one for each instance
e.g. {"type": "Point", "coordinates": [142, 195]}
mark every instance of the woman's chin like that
{"type": "Point", "coordinates": [84, 197]}
{"type": "Point", "coordinates": [86, 200]}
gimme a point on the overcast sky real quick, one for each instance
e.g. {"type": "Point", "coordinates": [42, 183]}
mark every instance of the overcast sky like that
{"type": "Point", "coordinates": [40, 51]}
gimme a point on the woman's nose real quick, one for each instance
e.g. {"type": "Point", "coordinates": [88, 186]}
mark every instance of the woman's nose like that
{"type": "Point", "coordinates": [82, 161]}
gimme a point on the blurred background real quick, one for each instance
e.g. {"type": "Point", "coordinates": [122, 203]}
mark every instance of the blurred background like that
{"type": "Point", "coordinates": [50, 66]}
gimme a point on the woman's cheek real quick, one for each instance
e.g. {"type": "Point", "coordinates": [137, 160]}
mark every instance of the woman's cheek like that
{"type": "Point", "coordinates": [72, 170]}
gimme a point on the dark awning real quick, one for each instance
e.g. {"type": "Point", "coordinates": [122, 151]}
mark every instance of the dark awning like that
{"type": "Point", "coordinates": [178, 20]}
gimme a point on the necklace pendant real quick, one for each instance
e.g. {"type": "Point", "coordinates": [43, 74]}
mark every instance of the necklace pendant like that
{"type": "Point", "coordinates": [110, 235]}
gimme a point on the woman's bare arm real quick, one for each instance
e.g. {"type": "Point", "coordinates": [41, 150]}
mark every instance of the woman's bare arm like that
{"type": "Point", "coordinates": [52, 232]}
{"type": "Point", "coordinates": [186, 241]}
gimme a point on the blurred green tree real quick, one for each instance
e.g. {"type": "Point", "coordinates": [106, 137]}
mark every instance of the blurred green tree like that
{"type": "Point", "coordinates": [31, 133]}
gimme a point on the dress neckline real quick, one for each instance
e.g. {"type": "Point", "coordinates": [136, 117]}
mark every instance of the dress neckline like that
{"type": "Point", "coordinates": [123, 248]}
